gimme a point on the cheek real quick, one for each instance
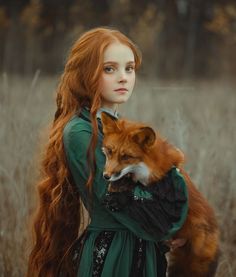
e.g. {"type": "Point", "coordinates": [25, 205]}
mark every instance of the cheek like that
{"type": "Point", "coordinates": [131, 84]}
{"type": "Point", "coordinates": [132, 79]}
{"type": "Point", "coordinates": [106, 81]}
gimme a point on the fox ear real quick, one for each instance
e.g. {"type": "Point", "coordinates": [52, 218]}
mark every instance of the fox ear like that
{"type": "Point", "coordinates": [109, 124]}
{"type": "Point", "coordinates": [145, 136]}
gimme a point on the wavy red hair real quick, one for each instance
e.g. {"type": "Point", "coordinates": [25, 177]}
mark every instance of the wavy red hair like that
{"type": "Point", "coordinates": [58, 218]}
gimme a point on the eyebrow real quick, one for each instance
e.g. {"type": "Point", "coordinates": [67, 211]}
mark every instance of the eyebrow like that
{"type": "Point", "coordinates": [115, 63]}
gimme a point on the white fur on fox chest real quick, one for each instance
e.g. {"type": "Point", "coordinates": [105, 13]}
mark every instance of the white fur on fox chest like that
{"type": "Point", "coordinates": [140, 173]}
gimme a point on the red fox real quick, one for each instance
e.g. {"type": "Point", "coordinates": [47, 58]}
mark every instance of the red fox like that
{"type": "Point", "coordinates": [135, 149]}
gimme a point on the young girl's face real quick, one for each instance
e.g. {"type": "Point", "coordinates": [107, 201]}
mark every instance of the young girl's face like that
{"type": "Point", "coordinates": [118, 76]}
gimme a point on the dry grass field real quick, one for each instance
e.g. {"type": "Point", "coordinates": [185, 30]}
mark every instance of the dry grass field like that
{"type": "Point", "coordinates": [198, 117]}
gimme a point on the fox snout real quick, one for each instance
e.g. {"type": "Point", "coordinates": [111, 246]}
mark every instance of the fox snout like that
{"type": "Point", "coordinates": [138, 172]}
{"type": "Point", "coordinates": [110, 177]}
{"type": "Point", "coordinates": [106, 176]}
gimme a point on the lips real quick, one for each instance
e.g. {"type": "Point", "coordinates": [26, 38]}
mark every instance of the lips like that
{"type": "Point", "coordinates": [121, 90]}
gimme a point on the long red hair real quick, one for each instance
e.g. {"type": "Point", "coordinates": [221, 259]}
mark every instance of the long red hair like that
{"type": "Point", "coordinates": [58, 217]}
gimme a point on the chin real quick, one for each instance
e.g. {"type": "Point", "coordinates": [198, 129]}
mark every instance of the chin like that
{"type": "Point", "coordinates": [122, 100]}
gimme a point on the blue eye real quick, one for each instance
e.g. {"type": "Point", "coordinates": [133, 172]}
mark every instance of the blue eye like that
{"type": "Point", "coordinates": [130, 69]}
{"type": "Point", "coordinates": [108, 69]}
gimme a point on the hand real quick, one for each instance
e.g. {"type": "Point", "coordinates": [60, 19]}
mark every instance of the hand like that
{"type": "Point", "coordinates": [121, 185]}
{"type": "Point", "coordinates": [176, 243]}
{"type": "Point", "coordinates": [117, 201]}
{"type": "Point", "coordinates": [116, 188]}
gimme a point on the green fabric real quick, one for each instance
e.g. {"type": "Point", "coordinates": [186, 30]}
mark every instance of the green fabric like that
{"type": "Point", "coordinates": [119, 259]}
{"type": "Point", "coordinates": [139, 193]}
{"type": "Point", "coordinates": [76, 138]}
{"type": "Point", "coordinates": [179, 184]}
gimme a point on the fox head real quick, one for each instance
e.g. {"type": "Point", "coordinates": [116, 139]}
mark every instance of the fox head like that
{"type": "Point", "coordinates": [136, 150]}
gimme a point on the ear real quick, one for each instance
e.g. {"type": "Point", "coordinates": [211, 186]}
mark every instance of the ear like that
{"type": "Point", "coordinates": [145, 136]}
{"type": "Point", "coordinates": [109, 124]}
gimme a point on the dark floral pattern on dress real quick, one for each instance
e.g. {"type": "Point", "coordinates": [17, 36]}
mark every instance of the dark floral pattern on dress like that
{"type": "Point", "coordinates": [101, 247]}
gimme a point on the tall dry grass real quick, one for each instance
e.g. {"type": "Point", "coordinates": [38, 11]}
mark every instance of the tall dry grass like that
{"type": "Point", "coordinates": [25, 107]}
{"type": "Point", "coordinates": [198, 117]}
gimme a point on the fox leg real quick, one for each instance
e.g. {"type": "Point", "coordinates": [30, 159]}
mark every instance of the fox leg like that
{"type": "Point", "coordinates": [192, 266]}
{"type": "Point", "coordinates": [197, 258]}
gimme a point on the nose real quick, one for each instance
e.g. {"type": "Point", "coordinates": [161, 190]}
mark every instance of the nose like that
{"type": "Point", "coordinates": [122, 78]}
{"type": "Point", "coordinates": [106, 176]}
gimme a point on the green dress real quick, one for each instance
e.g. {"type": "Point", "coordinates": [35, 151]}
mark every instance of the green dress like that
{"type": "Point", "coordinates": [117, 242]}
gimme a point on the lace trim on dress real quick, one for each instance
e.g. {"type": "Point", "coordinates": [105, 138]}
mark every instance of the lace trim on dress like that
{"type": "Point", "coordinates": [101, 247]}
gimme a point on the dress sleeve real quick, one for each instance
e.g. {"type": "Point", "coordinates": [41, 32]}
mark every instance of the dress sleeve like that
{"type": "Point", "coordinates": [162, 207]}
{"type": "Point", "coordinates": [140, 214]}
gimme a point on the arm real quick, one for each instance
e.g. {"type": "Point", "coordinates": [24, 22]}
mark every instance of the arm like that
{"type": "Point", "coordinates": [76, 143]}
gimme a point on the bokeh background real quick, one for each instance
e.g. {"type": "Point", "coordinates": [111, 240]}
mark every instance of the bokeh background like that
{"type": "Point", "coordinates": [185, 89]}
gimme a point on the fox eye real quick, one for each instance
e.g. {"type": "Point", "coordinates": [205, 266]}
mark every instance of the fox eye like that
{"type": "Point", "coordinates": [126, 157]}
{"type": "Point", "coordinates": [107, 151]}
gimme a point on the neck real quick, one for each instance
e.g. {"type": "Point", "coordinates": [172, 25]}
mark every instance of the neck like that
{"type": "Point", "coordinates": [112, 107]}
{"type": "Point", "coordinates": [113, 111]}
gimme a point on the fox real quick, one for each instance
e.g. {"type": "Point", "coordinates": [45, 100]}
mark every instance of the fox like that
{"type": "Point", "coordinates": [137, 150]}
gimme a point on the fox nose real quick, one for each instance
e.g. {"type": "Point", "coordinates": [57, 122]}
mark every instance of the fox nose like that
{"type": "Point", "coordinates": [106, 176]}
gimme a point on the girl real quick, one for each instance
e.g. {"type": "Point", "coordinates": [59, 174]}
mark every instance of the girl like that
{"type": "Point", "coordinates": [99, 75]}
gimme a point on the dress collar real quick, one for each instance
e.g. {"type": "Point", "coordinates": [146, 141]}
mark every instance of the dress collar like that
{"type": "Point", "coordinates": [86, 112]}
{"type": "Point", "coordinates": [109, 111]}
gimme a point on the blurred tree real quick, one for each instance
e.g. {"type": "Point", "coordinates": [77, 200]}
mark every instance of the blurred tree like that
{"type": "Point", "coordinates": [178, 38]}
{"type": "Point", "coordinates": [30, 19]}
{"type": "Point", "coordinates": [4, 25]}
{"type": "Point", "coordinates": [223, 26]}
{"type": "Point", "coordinates": [11, 45]}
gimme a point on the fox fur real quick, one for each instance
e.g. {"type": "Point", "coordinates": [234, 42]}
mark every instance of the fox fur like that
{"type": "Point", "coordinates": [135, 149]}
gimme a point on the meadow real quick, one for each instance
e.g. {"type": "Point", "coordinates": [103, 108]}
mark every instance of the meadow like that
{"type": "Point", "coordinates": [198, 117]}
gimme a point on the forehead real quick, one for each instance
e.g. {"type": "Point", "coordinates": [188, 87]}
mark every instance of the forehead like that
{"type": "Point", "coordinates": [118, 52]}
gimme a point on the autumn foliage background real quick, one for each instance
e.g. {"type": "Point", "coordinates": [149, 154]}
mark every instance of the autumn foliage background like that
{"type": "Point", "coordinates": [185, 89]}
